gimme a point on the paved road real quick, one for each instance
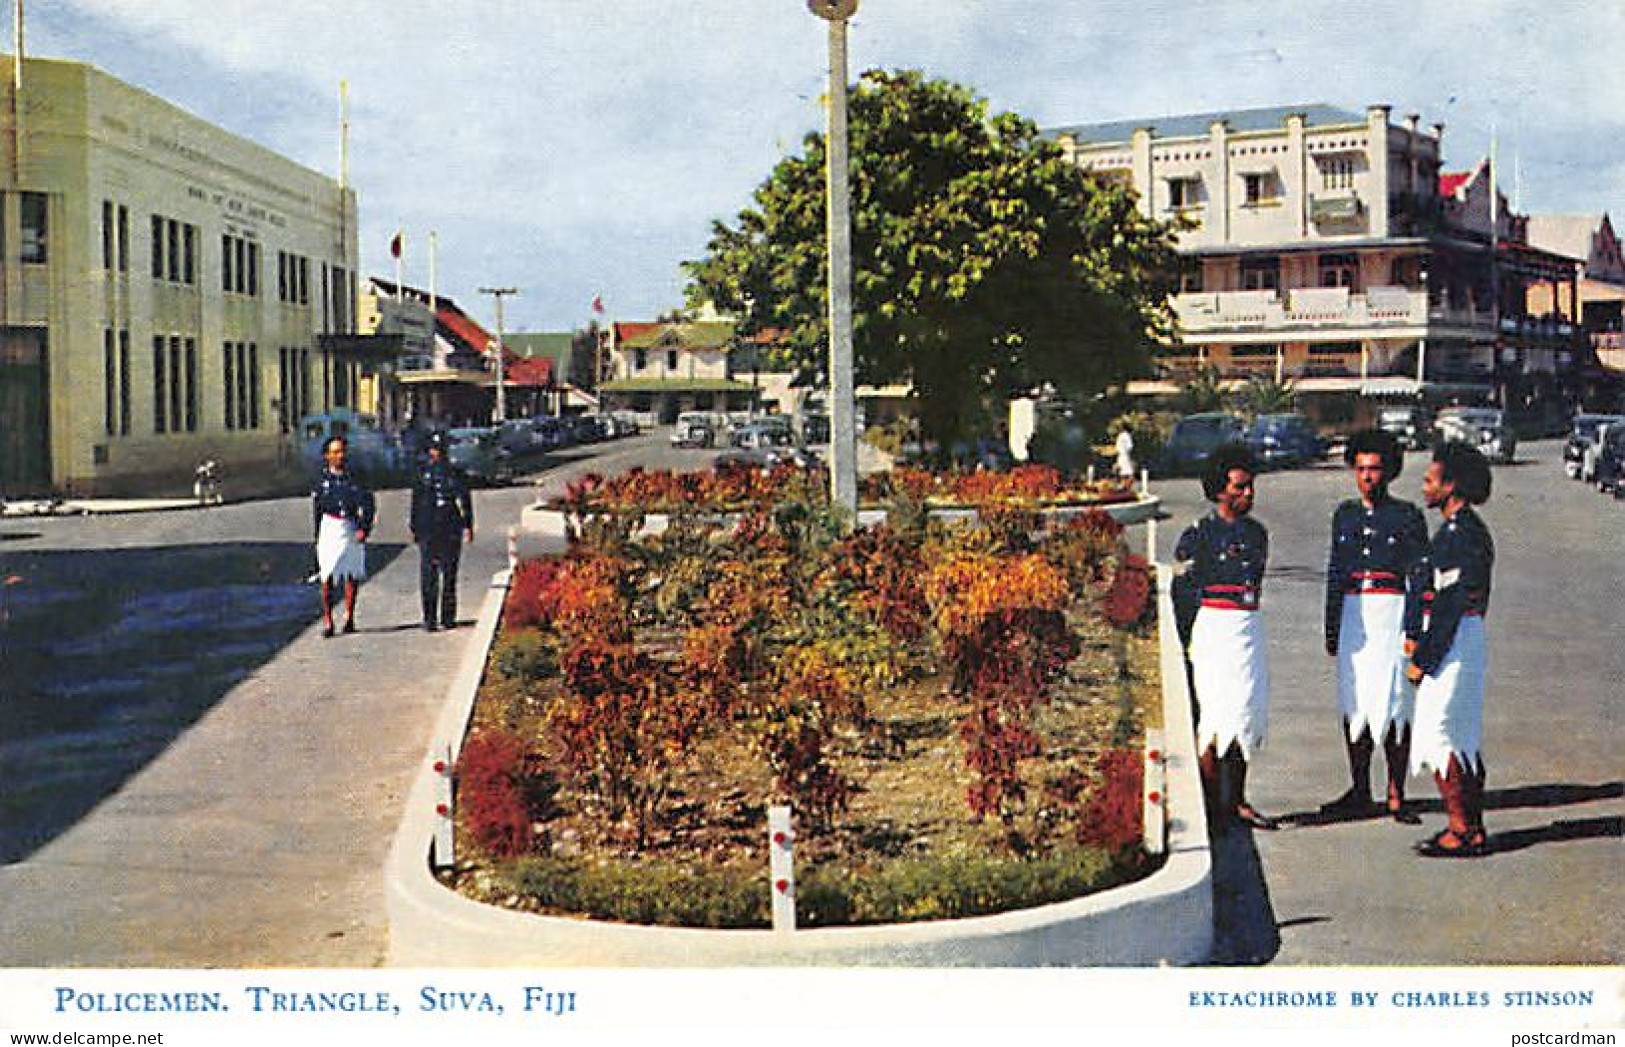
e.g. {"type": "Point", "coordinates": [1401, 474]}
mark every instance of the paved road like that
{"type": "Point", "coordinates": [1352, 892]}
{"type": "Point", "coordinates": [248, 824]}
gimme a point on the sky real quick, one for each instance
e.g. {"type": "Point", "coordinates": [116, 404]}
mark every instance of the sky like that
{"type": "Point", "coordinates": [578, 148]}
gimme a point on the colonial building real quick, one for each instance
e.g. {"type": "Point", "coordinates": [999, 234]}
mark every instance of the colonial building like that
{"type": "Point", "coordinates": [165, 287]}
{"type": "Point", "coordinates": [1591, 240]}
{"type": "Point", "coordinates": [658, 370]}
{"type": "Point", "coordinates": [1326, 250]}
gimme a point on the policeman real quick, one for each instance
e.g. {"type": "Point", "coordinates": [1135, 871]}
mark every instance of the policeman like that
{"type": "Point", "coordinates": [442, 519]}
{"type": "Point", "coordinates": [1449, 662]}
{"type": "Point", "coordinates": [1224, 553]}
{"type": "Point", "coordinates": [1375, 576]}
{"type": "Point", "coordinates": [342, 513]}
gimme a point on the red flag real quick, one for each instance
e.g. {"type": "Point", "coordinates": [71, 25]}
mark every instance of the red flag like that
{"type": "Point", "coordinates": [598, 304]}
{"type": "Point", "coordinates": [395, 246]}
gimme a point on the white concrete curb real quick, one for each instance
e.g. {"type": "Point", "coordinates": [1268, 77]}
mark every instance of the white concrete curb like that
{"type": "Point", "coordinates": [1166, 918]}
{"type": "Point", "coordinates": [554, 523]}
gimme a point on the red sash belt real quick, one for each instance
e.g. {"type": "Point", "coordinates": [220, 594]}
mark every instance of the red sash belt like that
{"type": "Point", "coordinates": [1230, 597]}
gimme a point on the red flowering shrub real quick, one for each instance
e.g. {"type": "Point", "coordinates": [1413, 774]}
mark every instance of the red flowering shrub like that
{"type": "Point", "coordinates": [1114, 811]}
{"type": "Point", "coordinates": [532, 584]}
{"type": "Point", "coordinates": [1127, 599]}
{"type": "Point", "coordinates": [879, 570]}
{"type": "Point", "coordinates": [491, 792]}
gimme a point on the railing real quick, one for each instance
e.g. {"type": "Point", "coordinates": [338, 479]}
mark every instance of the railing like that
{"type": "Point", "coordinates": [1302, 308]}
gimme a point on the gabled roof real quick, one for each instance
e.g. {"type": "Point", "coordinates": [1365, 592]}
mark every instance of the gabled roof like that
{"type": "Point", "coordinates": [1198, 125]}
{"type": "Point", "coordinates": [1573, 235]}
{"type": "Point", "coordinates": [528, 370]}
{"type": "Point", "coordinates": [700, 334]}
{"type": "Point", "coordinates": [451, 323]}
{"type": "Point", "coordinates": [555, 345]}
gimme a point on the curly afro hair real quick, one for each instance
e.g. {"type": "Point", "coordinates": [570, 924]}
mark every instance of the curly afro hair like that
{"type": "Point", "coordinates": [1467, 468]}
{"type": "Point", "coordinates": [1377, 441]}
{"type": "Point", "coordinates": [1225, 457]}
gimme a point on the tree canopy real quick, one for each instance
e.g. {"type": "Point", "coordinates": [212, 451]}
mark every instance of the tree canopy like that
{"type": "Point", "coordinates": [985, 264]}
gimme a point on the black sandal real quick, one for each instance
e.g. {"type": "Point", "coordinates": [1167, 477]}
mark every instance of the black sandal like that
{"type": "Point", "coordinates": [1470, 846]}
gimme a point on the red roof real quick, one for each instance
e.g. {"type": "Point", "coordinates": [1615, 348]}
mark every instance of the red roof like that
{"type": "Point", "coordinates": [1449, 182]}
{"type": "Point", "coordinates": [533, 370]}
{"type": "Point", "coordinates": [464, 329]}
{"type": "Point", "coordinates": [625, 329]}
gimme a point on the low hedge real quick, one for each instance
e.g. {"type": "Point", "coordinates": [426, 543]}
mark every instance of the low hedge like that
{"type": "Point", "coordinates": [902, 891]}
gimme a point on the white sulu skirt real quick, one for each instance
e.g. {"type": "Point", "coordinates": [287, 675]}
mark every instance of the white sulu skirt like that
{"type": "Point", "coordinates": [1371, 686]}
{"type": "Point", "coordinates": [339, 554]}
{"type": "Point", "coordinates": [1450, 704]}
{"type": "Point", "coordinates": [1231, 671]}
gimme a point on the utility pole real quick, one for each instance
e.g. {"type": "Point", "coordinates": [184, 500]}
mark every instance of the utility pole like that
{"type": "Point", "coordinates": [843, 441]}
{"type": "Point", "coordinates": [499, 293]}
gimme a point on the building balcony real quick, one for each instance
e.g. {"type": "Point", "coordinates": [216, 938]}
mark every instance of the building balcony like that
{"type": "Point", "coordinates": [1306, 309]}
{"type": "Point", "coordinates": [1537, 327]}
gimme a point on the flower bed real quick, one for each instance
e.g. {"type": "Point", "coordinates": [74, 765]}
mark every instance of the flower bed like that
{"type": "Point", "coordinates": [952, 711]}
{"type": "Point", "coordinates": [733, 490]}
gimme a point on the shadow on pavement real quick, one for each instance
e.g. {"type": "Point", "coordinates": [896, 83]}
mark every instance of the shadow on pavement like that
{"type": "Point", "coordinates": [1244, 929]}
{"type": "Point", "coordinates": [1556, 832]}
{"type": "Point", "coordinates": [1554, 795]}
{"type": "Point", "coordinates": [107, 656]}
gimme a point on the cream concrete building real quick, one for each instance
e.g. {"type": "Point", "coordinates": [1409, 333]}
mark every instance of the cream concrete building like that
{"type": "Point", "coordinates": [166, 289]}
{"type": "Point", "coordinates": [1324, 249]}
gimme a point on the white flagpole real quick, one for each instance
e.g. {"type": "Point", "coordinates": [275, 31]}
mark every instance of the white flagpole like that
{"type": "Point", "coordinates": [17, 99]}
{"type": "Point", "coordinates": [434, 247]}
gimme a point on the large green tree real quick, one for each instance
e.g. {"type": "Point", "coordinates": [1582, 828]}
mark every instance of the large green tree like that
{"type": "Point", "coordinates": [984, 264]}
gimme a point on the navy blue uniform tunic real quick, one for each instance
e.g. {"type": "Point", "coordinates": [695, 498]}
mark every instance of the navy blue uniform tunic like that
{"type": "Point", "coordinates": [337, 494]}
{"type": "Point", "coordinates": [1462, 559]}
{"type": "Point", "coordinates": [1380, 548]}
{"type": "Point", "coordinates": [1226, 561]}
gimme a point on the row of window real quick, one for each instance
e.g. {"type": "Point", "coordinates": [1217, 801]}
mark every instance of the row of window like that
{"type": "Point", "coordinates": [292, 278]}
{"type": "Point", "coordinates": [1263, 186]}
{"type": "Point", "coordinates": [174, 250]}
{"type": "Point", "coordinates": [239, 265]}
{"type": "Point", "coordinates": [1337, 269]}
{"type": "Point", "coordinates": [175, 395]}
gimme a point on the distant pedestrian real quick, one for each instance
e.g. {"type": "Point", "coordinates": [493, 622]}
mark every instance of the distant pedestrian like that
{"type": "Point", "coordinates": [1225, 553]}
{"type": "Point", "coordinates": [1449, 663]}
{"type": "Point", "coordinates": [1375, 576]}
{"type": "Point", "coordinates": [442, 520]}
{"type": "Point", "coordinates": [342, 513]}
{"type": "Point", "coordinates": [1125, 454]}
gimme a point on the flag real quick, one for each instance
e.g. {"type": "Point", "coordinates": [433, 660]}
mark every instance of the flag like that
{"type": "Point", "coordinates": [598, 304]}
{"type": "Point", "coordinates": [395, 244]}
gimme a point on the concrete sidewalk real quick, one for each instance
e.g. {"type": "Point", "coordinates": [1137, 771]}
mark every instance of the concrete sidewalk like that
{"type": "Point", "coordinates": [259, 837]}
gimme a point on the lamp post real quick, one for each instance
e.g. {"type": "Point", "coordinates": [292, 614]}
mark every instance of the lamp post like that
{"type": "Point", "coordinates": [843, 450]}
{"type": "Point", "coordinates": [500, 293]}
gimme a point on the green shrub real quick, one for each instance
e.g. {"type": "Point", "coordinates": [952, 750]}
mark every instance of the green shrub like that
{"type": "Point", "coordinates": [907, 890]}
{"type": "Point", "coordinates": [525, 654]}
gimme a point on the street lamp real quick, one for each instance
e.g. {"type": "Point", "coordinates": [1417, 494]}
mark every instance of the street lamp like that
{"type": "Point", "coordinates": [843, 449]}
{"type": "Point", "coordinates": [500, 293]}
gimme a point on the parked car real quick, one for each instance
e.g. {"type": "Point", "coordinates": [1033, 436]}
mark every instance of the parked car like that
{"type": "Point", "coordinates": [585, 429]}
{"type": "Point", "coordinates": [626, 423]}
{"type": "Point", "coordinates": [373, 456]}
{"type": "Point", "coordinates": [1194, 439]}
{"type": "Point", "coordinates": [518, 437]}
{"type": "Point", "coordinates": [768, 431]}
{"type": "Point", "coordinates": [1580, 449]}
{"type": "Point", "coordinates": [765, 458]}
{"type": "Point", "coordinates": [814, 428]}
{"type": "Point", "coordinates": [1482, 427]}
{"type": "Point", "coordinates": [696, 429]}
{"type": "Point", "coordinates": [1285, 440]}
{"type": "Point", "coordinates": [1611, 462]}
{"type": "Point", "coordinates": [1409, 423]}
{"type": "Point", "coordinates": [478, 453]}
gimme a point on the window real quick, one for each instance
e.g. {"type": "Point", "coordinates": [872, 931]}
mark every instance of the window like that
{"type": "Point", "coordinates": [1337, 172]}
{"type": "Point", "coordinates": [253, 385]}
{"type": "Point", "coordinates": [191, 394]}
{"type": "Point", "coordinates": [1261, 274]}
{"type": "Point", "coordinates": [239, 265]}
{"type": "Point", "coordinates": [640, 358]}
{"type": "Point", "coordinates": [671, 359]}
{"type": "Point", "coordinates": [174, 251]}
{"type": "Point", "coordinates": [109, 379]}
{"type": "Point", "coordinates": [123, 239]}
{"type": "Point", "coordinates": [35, 233]}
{"type": "Point", "coordinates": [124, 383]}
{"type": "Point", "coordinates": [107, 239]}
{"type": "Point", "coordinates": [1258, 188]}
{"type": "Point", "coordinates": [228, 384]}
{"type": "Point", "coordinates": [292, 278]}
{"type": "Point", "coordinates": [160, 386]}
{"type": "Point", "coordinates": [1182, 193]}
{"type": "Point", "coordinates": [1339, 270]}
{"type": "Point", "coordinates": [176, 385]}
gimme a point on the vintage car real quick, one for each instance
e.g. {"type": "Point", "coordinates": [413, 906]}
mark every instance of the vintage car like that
{"type": "Point", "coordinates": [1483, 427]}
